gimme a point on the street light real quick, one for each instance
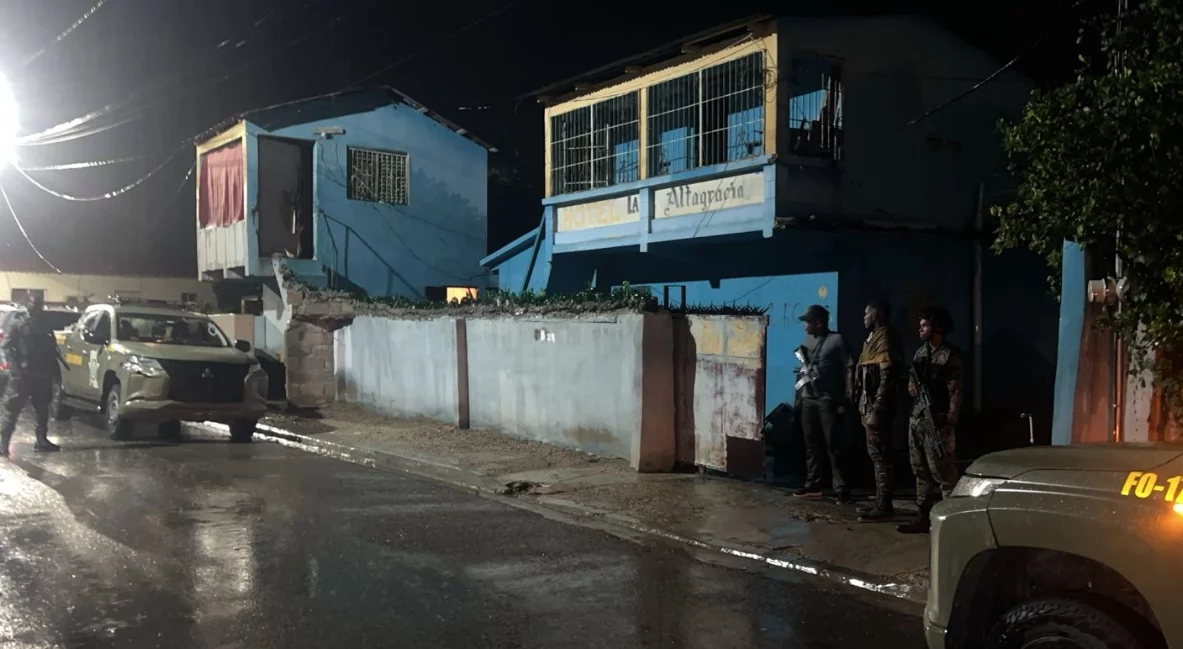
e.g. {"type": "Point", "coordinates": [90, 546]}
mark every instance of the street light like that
{"type": "Point", "coordinates": [9, 123]}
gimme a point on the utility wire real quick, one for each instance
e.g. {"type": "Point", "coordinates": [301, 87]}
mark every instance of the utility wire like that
{"type": "Point", "coordinates": [90, 12]}
{"type": "Point", "coordinates": [110, 194]}
{"type": "Point", "coordinates": [974, 88]}
{"type": "Point", "coordinates": [190, 89]}
{"type": "Point", "coordinates": [161, 221]}
{"type": "Point", "coordinates": [23, 233]}
{"type": "Point", "coordinates": [447, 37]}
{"type": "Point", "coordinates": [85, 165]}
{"type": "Point", "coordinates": [233, 42]}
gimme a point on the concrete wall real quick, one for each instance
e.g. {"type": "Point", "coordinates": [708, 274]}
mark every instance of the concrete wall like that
{"type": "Point", "coordinates": [403, 367]}
{"type": "Point", "coordinates": [435, 240]}
{"type": "Point", "coordinates": [570, 383]}
{"type": "Point", "coordinates": [602, 383]}
{"type": "Point", "coordinates": [60, 287]}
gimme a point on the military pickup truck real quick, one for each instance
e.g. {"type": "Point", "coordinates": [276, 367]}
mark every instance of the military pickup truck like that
{"type": "Point", "coordinates": [158, 365]}
{"type": "Point", "coordinates": [1071, 546]}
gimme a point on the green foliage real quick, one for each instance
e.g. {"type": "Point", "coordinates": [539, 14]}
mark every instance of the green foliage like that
{"type": "Point", "coordinates": [1099, 161]}
{"type": "Point", "coordinates": [588, 300]}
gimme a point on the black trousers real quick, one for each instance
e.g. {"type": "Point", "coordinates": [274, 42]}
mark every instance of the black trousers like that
{"type": "Point", "coordinates": [22, 390]}
{"type": "Point", "coordinates": [819, 424]}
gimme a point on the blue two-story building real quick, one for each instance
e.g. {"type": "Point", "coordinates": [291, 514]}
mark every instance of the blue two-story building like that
{"type": "Point", "coordinates": [796, 161]}
{"type": "Point", "coordinates": [366, 191]}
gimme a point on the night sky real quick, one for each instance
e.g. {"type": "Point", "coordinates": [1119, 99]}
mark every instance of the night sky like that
{"type": "Point", "coordinates": [171, 69]}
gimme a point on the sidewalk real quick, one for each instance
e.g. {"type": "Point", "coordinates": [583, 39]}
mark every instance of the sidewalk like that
{"type": "Point", "coordinates": [751, 520]}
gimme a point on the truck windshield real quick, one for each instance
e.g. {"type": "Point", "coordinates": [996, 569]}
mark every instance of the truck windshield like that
{"type": "Point", "coordinates": [169, 330]}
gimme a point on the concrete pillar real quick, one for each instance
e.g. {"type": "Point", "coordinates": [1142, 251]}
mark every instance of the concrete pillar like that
{"type": "Point", "coordinates": [311, 382]}
{"type": "Point", "coordinates": [1073, 308]}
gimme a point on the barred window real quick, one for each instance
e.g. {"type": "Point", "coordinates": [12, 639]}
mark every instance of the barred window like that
{"type": "Point", "coordinates": [379, 176]}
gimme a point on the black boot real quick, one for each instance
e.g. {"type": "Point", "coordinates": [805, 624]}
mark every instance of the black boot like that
{"type": "Point", "coordinates": [43, 445]}
{"type": "Point", "coordinates": [877, 513]}
{"type": "Point", "coordinates": [918, 526]}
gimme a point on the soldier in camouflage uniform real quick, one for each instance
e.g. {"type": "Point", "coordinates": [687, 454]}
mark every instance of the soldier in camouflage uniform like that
{"type": "Point", "coordinates": [939, 366]}
{"type": "Point", "coordinates": [876, 393]}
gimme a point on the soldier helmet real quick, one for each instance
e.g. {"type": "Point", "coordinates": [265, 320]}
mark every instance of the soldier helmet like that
{"type": "Point", "coordinates": [939, 319]}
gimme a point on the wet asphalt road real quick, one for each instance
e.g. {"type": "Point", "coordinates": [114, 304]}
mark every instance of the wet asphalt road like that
{"type": "Point", "coordinates": [208, 544]}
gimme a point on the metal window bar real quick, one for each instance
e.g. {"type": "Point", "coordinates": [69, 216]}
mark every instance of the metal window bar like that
{"type": "Point", "coordinates": [616, 141]}
{"type": "Point", "coordinates": [378, 176]}
{"type": "Point", "coordinates": [571, 149]}
{"type": "Point", "coordinates": [733, 110]}
{"type": "Point", "coordinates": [815, 108]}
{"type": "Point", "coordinates": [673, 125]}
{"type": "Point", "coordinates": [712, 116]}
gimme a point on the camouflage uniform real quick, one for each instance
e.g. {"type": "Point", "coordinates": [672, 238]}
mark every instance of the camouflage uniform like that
{"type": "Point", "coordinates": [941, 368]}
{"type": "Point", "coordinates": [876, 387]}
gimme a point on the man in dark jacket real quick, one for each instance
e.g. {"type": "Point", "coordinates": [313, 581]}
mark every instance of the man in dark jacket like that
{"type": "Point", "coordinates": [33, 359]}
{"type": "Point", "coordinates": [824, 386]}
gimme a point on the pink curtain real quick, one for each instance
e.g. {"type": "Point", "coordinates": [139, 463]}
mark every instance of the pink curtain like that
{"type": "Point", "coordinates": [222, 202]}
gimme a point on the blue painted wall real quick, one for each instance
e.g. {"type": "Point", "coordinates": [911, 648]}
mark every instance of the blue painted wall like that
{"type": "Point", "coordinates": [786, 297]}
{"type": "Point", "coordinates": [435, 240]}
{"type": "Point", "coordinates": [784, 274]}
{"type": "Point", "coordinates": [1072, 311]}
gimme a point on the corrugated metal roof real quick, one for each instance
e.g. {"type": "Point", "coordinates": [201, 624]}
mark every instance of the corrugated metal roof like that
{"type": "Point", "coordinates": [338, 104]}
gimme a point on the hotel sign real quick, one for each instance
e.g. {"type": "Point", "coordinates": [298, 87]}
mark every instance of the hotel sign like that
{"type": "Point", "coordinates": [709, 196]}
{"type": "Point", "coordinates": [614, 211]}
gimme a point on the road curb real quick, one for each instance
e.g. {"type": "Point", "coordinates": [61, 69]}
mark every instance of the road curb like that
{"type": "Point", "coordinates": [457, 477]}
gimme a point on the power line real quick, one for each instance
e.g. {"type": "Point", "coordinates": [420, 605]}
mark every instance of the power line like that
{"type": "Point", "coordinates": [110, 194]}
{"type": "Point", "coordinates": [236, 41]}
{"type": "Point", "coordinates": [190, 89]}
{"type": "Point", "coordinates": [85, 165]}
{"type": "Point", "coordinates": [23, 233]}
{"type": "Point", "coordinates": [171, 201]}
{"type": "Point", "coordinates": [493, 14]}
{"type": "Point", "coordinates": [90, 12]}
{"type": "Point", "coordinates": [972, 89]}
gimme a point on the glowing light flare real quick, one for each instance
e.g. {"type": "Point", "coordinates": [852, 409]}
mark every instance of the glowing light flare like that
{"type": "Point", "coordinates": [1179, 508]}
{"type": "Point", "coordinates": [9, 122]}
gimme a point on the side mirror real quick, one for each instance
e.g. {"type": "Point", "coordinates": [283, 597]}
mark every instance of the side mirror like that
{"type": "Point", "coordinates": [242, 345]}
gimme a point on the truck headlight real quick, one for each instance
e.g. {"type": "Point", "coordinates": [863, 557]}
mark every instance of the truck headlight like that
{"type": "Point", "coordinates": [149, 367]}
{"type": "Point", "coordinates": [972, 486]}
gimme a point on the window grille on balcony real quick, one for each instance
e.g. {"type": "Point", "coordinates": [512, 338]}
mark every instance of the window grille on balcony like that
{"type": "Point", "coordinates": [708, 117]}
{"type": "Point", "coordinates": [815, 108]}
{"type": "Point", "coordinates": [596, 146]}
{"type": "Point", "coordinates": [379, 176]}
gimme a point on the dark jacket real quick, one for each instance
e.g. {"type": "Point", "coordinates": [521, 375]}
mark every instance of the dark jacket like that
{"type": "Point", "coordinates": [31, 349]}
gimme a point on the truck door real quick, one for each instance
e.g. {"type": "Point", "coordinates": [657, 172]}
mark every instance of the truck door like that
{"type": "Point", "coordinates": [92, 341]}
{"type": "Point", "coordinates": [74, 380]}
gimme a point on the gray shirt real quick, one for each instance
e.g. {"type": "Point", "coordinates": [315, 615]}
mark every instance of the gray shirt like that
{"type": "Point", "coordinates": [830, 355]}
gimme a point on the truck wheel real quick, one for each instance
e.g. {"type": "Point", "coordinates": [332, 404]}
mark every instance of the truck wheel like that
{"type": "Point", "coordinates": [1060, 622]}
{"type": "Point", "coordinates": [170, 430]}
{"type": "Point", "coordinates": [242, 431]}
{"type": "Point", "coordinates": [118, 427]}
{"type": "Point", "coordinates": [58, 407]}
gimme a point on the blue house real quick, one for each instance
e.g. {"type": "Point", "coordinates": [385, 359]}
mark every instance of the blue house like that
{"type": "Point", "coordinates": [796, 161]}
{"type": "Point", "coordinates": [366, 191]}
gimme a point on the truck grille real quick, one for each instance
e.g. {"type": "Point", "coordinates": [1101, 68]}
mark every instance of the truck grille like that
{"type": "Point", "coordinates": [197, 382]}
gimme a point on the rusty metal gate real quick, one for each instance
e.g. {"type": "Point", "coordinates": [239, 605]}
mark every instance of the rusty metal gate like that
{"type": "Point", "coordinates": [719, 392]}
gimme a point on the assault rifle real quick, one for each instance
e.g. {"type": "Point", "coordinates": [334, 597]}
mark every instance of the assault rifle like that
{"type": "Point", "coordinates": [928, 425]}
